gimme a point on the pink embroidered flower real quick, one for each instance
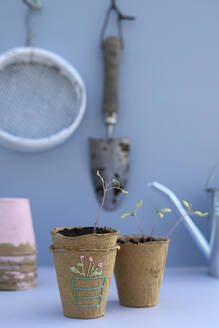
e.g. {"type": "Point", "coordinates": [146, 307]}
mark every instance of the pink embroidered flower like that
{"type": "Point", "coordinates": [100, 265]}
{"type": "Point", "coordinates": [90, 259]}
{"type": "Point", "coordinates": [81, 257]}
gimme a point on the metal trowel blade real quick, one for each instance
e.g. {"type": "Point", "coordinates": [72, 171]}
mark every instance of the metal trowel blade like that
{"type": "Point", "coordinates": [111, 158]}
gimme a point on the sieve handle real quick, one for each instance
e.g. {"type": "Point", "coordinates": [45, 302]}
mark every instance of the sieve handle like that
{"type": "Point", "coordinates": [111, 50]}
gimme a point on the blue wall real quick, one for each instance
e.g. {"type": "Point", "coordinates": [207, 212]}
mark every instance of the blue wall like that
{"type": "Point", "coordinates": [169, 108]}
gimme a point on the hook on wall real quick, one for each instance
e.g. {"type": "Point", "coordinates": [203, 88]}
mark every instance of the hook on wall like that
{"type": "Point", "coordinates": [120, 17]}
{"type": "Point", "coordinates": [35, 4]}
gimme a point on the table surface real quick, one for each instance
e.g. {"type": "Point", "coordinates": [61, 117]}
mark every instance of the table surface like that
{"type": "Point", "coordinates": [188, 298]}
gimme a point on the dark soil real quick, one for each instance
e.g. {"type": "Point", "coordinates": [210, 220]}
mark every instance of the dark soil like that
{"type": "Point", "coordinates": [144, 240]}
{"type": "Point", "coordinates": [74, 232]}
{"type": "Point", "coordinates": [133, 241]}
{"type": "Point", "coordinates": [120, 241]}
{"type": "Point", "coordinates": [136, 240]}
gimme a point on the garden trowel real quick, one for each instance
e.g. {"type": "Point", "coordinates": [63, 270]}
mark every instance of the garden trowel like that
{"type": "Point", "coordinates": [110, 156]}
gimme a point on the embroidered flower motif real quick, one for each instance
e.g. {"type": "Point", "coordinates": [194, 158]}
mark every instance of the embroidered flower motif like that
{"type": "Point", "coordinates": [90, 259]}
{"type": "Point", "coordinates": [87, 271]}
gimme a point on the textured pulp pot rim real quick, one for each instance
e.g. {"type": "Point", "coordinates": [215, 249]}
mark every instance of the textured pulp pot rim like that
{"type": "Point", "coordinates": [155, 240]}
{"type": "Point", "coordinates": [57, 231]}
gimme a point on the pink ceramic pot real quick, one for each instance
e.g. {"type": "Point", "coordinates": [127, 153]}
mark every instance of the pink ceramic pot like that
{"type": "Point", "coordinates": [16, 233]}
{"type": "Point", "coordinates": [17, 245]}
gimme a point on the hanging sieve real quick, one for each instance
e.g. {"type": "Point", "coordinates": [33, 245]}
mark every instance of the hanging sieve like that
{"type": "Point", "coordinates": [42, 96]}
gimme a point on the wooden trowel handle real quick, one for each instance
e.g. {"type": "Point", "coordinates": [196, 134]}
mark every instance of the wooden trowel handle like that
{"type": "Point", "coordinates": [112, 49]}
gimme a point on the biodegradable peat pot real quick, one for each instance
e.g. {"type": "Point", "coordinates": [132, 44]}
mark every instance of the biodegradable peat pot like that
{"type": "Point", "coordinates": [139, 270]}
{"type": "Point", "coordinates": [84, 264]}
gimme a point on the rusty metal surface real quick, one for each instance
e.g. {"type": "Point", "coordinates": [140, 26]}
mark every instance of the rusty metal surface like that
{"type": "Point", "coordinates": [111, 158]}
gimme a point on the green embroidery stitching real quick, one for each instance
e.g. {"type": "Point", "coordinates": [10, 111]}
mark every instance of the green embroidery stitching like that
{"type": "Point", "coordinates": [92, 273]}
{"type": "Point", "coordinates": [100, 296]}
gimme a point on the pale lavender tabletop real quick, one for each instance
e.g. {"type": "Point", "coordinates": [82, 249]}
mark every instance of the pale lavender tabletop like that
{"type": "Point", "coordinates": [188, 298]}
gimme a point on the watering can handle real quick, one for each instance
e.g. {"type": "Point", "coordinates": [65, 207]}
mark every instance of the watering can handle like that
{"type": "Point", "coordinates": [211, 175]}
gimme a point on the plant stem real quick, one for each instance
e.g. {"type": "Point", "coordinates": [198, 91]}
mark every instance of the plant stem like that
{"type": "Point", "coordinates": [88, 271]}
{"type": "Point", "coordinates": [189, 212]}
{"type": "Point", "coordinates": [92, 270]}
{"type": "Point", "coordinates": [174, 226]}
{"type": "Point", "coordinates": [82, 268]}
{"type": "Point", "coordinates": [139, 225]}
{"type": "Point", "coordinates": [100, 210]}
{"type": "Point", "coordinates": [153, 227]}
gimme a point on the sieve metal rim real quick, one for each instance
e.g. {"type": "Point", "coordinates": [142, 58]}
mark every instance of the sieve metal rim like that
{"type": "Point", "coordinates": [46, 57]}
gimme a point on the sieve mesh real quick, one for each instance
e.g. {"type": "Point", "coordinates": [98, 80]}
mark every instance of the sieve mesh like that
{"type": "Point", "coordinates": [36, 100]}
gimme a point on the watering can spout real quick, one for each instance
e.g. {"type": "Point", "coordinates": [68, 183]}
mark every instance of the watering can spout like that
{"type": "Point", "coordinates": [192, 228]}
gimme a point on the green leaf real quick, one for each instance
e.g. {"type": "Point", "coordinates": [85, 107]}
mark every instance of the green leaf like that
{"type": "Point", "coordinates": [159, 212]}
{"type": "Point", "coordinates": [103, 182]}
{"type": "Point", "coordinates": [138, 204]}
{"type": "Point", "coordinates": [124, 191]}
{"type": "Point", "coordinates": [125, 215]}
{"type": "Point", "coordinates": [132, 213]}
{"type": "Point", "coordinates": [116, 183]}
{"type": "Point", "coordinates": [79, 264]}
{"type": "Point", "coordinates": [200, 213]}
{"type": "Point", "coordinates": [73, 269]}
{"type": "Point", "coordinates": [189, 206]}
{"type": "Point", "coordinates": [164, 210]}
{"type": "Point", "coordinates": [96, 273]}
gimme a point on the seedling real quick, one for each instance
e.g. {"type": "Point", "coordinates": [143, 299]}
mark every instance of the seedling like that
{"type": "Point", "coordinates": [134, 214]}
{"type": "Point", "coordinates": [114, 184]}
{"type": "Point", "coordinates": [189, 211]}
{"type": "Point", "coordinates": [161, 214]}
